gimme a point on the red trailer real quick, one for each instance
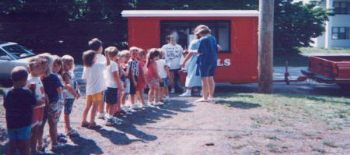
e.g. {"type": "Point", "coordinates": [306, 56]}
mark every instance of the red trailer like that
{"type": "Point", "coordinates": [236, 32]}
{"type": "Point", "coordinates": [330, 69]}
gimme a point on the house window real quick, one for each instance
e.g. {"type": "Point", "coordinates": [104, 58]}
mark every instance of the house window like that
{"type": "Point", "coordinates": [341, 7]}
{"type": "Point", "coordinates": [340, 33]}
{"type": "Point", "coordinates": [183, 31]}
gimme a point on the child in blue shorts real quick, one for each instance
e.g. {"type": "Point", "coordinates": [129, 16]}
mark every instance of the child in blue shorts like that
{"type": "Point", "coordinates": [70, 92]}
{"type": "Point", "coordinates": [19, 103]}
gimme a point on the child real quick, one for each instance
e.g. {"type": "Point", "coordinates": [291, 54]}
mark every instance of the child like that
{"type": "Point", "coordinates": [93, 74]}
{"type": "Point", "coordinates": [36, 86]}
{"type": "Point", "coordinates": [113, 84]}
{"type": "Point", "coordinates": [133, 75]}
{"type": "Point", "coordinates": [53, 89]}
{"type": "Point", "coordinates": [141, 82]}
{"type": "Point", "coordinates": [124, 57]}
{"type": "Point", "coordinates": [163, 72]}
{"type": "Point", "coordinates": [153, 78]}
{"type": "Point", "coordinates": [96, 45]}
{"type": "Point", "coordinates": [70, 92]}
{"type": "Point", "coordinates": [18, 104]}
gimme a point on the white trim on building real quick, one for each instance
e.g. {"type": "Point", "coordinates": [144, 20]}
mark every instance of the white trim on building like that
{"type": "Point", "coordinates": [190, 13]}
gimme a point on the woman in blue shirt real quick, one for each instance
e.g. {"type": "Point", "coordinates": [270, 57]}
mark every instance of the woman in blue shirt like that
{"type": "Point", "coordinates": [207, 61]}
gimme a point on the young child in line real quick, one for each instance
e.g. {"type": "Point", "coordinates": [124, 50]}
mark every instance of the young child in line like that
{"type": "Point", "coordinates": [35, 84]}
{"type": "Point", "coordinates": [96, 45]}
{"type": "Point", "coordinates": [45, 60]}
{"type": "Point", "coordinates": [19, 103]}
{"type": "Point", "coordinates": [54, 90]}
{"type": "Point", "coordinates": [113, 83]}
{"type": "Point", "coordinates": [153, 78]}
{"type": "Point", "coordinates": [134, 74]}
{"type": "Point", "coordinates": [141, 81]}
{"type": "Point", "coordinates": [70, 92]}
{"type": "Point", "coordinates": [123, 62]}
{"type": "Point", "coordinates": [163, 72]}
{"type": "Point", "coordinates": [57, 70]}
{"type": "Point", "coordinates": [93, 74]}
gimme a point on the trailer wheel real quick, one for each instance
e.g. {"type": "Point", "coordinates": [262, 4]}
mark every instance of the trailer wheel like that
{"type": "Point", "coordinates": [344, 86]}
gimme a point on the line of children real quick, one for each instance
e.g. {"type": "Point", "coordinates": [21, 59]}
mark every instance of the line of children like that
{"type": "Point", "coordinates": [50, 82]}
{"type": "Point", "coordinates": [50, 88]}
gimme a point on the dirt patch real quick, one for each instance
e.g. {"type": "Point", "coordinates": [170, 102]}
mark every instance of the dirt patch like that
{"type": "Point", "coordinates": [239, 123]}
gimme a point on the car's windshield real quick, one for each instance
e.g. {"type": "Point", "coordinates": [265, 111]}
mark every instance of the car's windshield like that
{"type": "Point", "coordinates": [18, 51]}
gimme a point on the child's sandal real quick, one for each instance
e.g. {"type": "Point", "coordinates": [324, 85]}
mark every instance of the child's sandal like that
{"type": "Point", "coordinates": [85, 124]}
{"type": "Point", "coordinates": [72, 133]}
{"type": "Point", "coordinates": [93, 126]}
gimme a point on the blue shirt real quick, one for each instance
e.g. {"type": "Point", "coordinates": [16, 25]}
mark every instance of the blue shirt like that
{"type": "Point", "coordinates": [208, 51]}
{"type": "Point", "coordinates": [19, 104]}
{"type": "Point", "coordinates": [51, 84]}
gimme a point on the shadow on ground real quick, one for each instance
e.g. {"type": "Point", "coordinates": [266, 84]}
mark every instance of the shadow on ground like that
{"type": "Point", "coordinates": [85, 145]}
{"type": "Point", "coordinates": [81, 145]}
{"type": "Point", "coordinates": [238, 104]}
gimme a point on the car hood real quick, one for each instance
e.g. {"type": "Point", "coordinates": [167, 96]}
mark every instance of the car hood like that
{"type": "Point", "coordinates": [24, 60]}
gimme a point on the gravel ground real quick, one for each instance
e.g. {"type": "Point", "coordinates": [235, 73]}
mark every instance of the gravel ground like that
{"type": "Point", "coordinates": [243, 127]}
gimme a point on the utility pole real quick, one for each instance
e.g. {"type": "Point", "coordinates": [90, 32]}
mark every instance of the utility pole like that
{"type": "Point", "coordinates": [265, 49]}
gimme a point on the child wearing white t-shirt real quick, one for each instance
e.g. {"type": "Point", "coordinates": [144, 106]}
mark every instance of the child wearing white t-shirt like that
{"type": "Point", "coordinates": [173, 54]}
{"type": "Point", "coordinates": [113, 83]}
{"type": "Point", "coordinates": [95, 44]}
{"type": "Point", "coordinates": [95, 85]}
{"type": "Point", "coordinates": [35, 84]}
{"type": "Point", "coordinates": [70, 92]}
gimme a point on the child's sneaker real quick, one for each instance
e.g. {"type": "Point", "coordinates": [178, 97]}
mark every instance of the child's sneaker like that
{"type": "Point", "coordinates": [138, 106]}
{"type": "Point", "coordinates": [172, 91]}
{"type": "Point", "coordinates": [149, 104]}
{"type": "Point", "coordinates": [58, 146]}
{"type": "Point", "coordinates": [186, 94]}
{"type": "Point", "coordinates": [211, 100]}
{"type": "Point", "coordinates": [160, 103]}
{"type": "Point", "coordinates": [166, 98]}
{"type": "Point", "coordinates": [72, 133]}
{"type": "Point", "coordinates": [101, 116]}
{"type": "Point", "coordinates": [61, 138]}
{"type": "Point", "coordinates": [130, 109]}
{"type": "Point", "coordinates": [109, 122]}
{"type": "Point", "coordinates": [117, 121]}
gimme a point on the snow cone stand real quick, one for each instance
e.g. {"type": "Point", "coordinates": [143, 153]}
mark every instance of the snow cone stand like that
{"type": "Point", "coordinates": [236, 32]}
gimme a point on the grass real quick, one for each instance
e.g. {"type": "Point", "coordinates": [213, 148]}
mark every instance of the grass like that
{"type": "Point", "coordinates": [334, 112]}
{"type": "Point", "coordinates": [309, 50]}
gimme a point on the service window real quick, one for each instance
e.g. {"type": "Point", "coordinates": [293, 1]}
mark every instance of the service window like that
{"type": "Point", "coordinates": [183, 32]}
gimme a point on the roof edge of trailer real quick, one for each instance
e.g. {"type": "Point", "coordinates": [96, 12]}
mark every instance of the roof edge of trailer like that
{"type": "Point", "coordinates": [190, 13]}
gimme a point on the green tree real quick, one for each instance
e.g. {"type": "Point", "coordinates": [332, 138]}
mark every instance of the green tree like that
{"type": "Point", "coordinates": [296, 24]}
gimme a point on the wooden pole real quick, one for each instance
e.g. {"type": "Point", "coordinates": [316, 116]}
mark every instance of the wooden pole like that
{"type": "Point", "coordinates": [265, 58]}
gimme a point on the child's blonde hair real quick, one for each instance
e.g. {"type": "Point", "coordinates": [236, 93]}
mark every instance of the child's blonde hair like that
{"type": "Point", "coordinates": [111, 52]}
{"type": "Point", "coordinates": [49, 59]}
{"type": "Point", "coordinates": [33, 63]}
{"type": "Point", "coordinates": [67, 59]}
{"type": "Point", "coordinates": [124, 53]}
{"type": "Point", "coordinates": [134, 49]}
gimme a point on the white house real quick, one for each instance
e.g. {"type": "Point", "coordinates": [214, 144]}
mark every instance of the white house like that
{"type": "Point", "coordinates": [337, 32]}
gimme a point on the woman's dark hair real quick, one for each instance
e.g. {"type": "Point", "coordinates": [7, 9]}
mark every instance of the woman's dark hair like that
{"type": "Point", "coordinates": [95, 44]}
{"type": "Point", "coordinates": [152, 53]}
{"type": "Point", "coordinates": [88, 58]}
